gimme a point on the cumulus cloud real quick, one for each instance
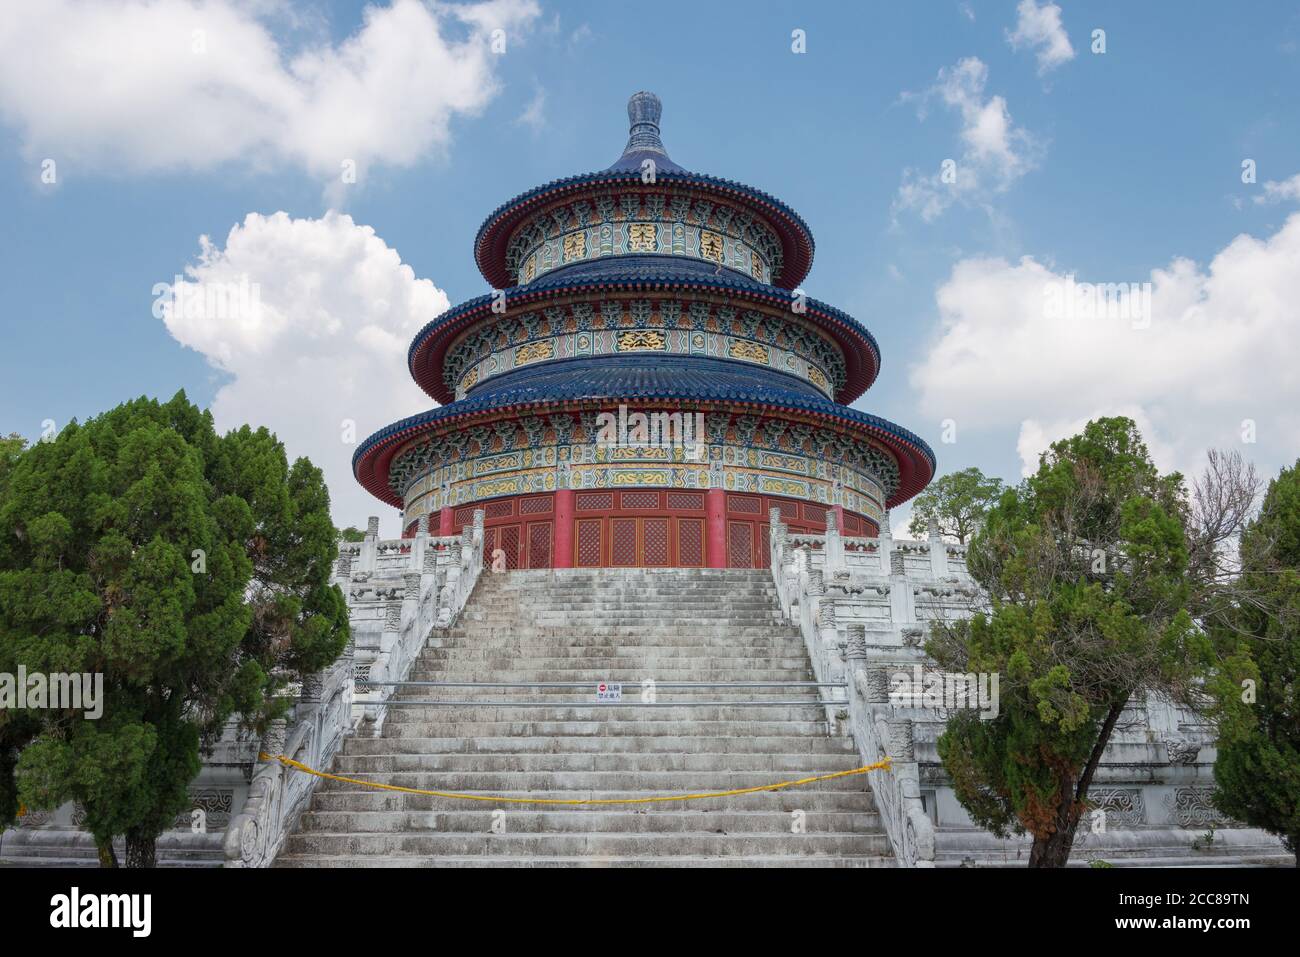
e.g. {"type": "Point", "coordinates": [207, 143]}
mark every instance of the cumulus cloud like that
{"type": "Point", "coordinates": [1286, 191]}
{"type": "Point", "coordinates": [1040, 29]}
{"type": "Point", "coordinates": [310, 319]}
{"type": "Point", "coordinates": [146, 85]}
{"type": "Point", "coordinates": [1211, 365]}
{"type": "Point", "coordinates": [994, 151]}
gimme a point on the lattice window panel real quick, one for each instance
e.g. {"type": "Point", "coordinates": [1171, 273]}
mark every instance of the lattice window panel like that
{"type": "Point", "coordinates": [814, 513]}
{"type": "Point", "coordinates": [789, 510]}
{"type": "Point", "coordinates": [465, 515]}
{"type": "Point", "coordinates": [509, 543]}
{"type": "Point", "coordinates": [654, 541]}
{"type": "Point", "coordinates": [622, 541]}
{"type": "Point", "coordinates": [686, 500]}
{"type": "Point", "coordinates": [690, 541]}
{"type": "Point", "coordinates": [500, 509]}
{"type": "Point", "coordinates": [852, 524]}
{"type": "Point", "coordinates": [539, 545]}
{"type": "Point", "coordinates": [594, 501]}
{"type": "Point", "coordinates": [764, 545]}
{"type": "Point", "coordinates": [740, 544]}
{"type": "Point", "coordinates": [588, 538]}
{"type": "Point", "coordinates": [744, 504]}
{"type": "Point", "coordinates": [639, 500]}
{"type": "Point", "coordinates": [534, 505]}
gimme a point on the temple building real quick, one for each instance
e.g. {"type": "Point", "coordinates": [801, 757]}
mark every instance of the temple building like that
{"type": "Point", "coordinates": [643, 290]}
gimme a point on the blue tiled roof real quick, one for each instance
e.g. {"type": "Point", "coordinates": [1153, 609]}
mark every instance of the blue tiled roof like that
{"type": "Point", "coordinates": [645, 377]}
{"type": "Point", "coordinates": [648, 271]}
{"type": "Point", "coordinates": [677, 175]}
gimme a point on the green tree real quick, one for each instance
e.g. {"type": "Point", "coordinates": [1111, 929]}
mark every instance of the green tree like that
{"type": "Point", "coordinates": [957, 502]}
{"type": "Point", "coordinates": [16, 727]}
{"type": "Point", "coordinates": [351, 534]}
{"type": "Point", "coordinates": [191, 570]}
{"type": "Point", "coordinates": [1258, 766]}
{"type": "Point", "coordinates": [1084, 566]}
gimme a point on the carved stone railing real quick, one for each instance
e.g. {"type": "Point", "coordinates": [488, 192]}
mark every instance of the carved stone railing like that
{"type": "Point", "coordinates": [277, 796]}
{"type": "Point", "coordinates": [879, 734]}
{"type": "Point", "coordinates": [429, 598]}
{"type": "Point", "coordinates": [801, 585]}
{"type": "Point", "coordinates": [398, 593]}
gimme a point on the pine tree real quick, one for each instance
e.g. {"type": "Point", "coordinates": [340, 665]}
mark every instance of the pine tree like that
{"type": "Point", "coordinates": [191, 570]}
{"type": "Point", "coordinates": [1258, 766]}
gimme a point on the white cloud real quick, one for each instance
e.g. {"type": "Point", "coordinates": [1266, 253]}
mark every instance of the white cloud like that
{"type": "Point", "coordinates": [995, 152]}
{"type": "Point", "coordinates": [323, 340]}
{"type": "Point", "coordinates": [1287, 190]}
{"type": "Point", "coordinates": [1040, 29]}
{"type": "Point", "coordinates": [146, 85]}
{"type": "Point", "coordinates": [1219, 349]}
{"type": "Point", "coordinates": [534, 115]}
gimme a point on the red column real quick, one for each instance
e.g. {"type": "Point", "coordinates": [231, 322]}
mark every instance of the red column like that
{"type": "Point", "coordinates": [715, 528]}
{"type": "Point", "coordinates": [563, 554]}
{"type": "Point", "coordinates": [445, 521]}
{"type": "Point", "coordinates": [837, 512]}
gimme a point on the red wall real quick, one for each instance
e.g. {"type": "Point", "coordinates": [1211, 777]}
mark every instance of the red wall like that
{"type": "Point", "coordinates": [641, 528]}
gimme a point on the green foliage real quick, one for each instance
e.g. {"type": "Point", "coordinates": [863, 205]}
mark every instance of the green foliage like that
{"type": "Point", "coordinates": [11, 447]}
{"type": "Point", "coordinates": [958, 502]}
{"type": "Point", "coordinates": [350, 534]}
{"type": "Point", "coordinates": [1084, 565]}
{"type": "Point", "coordinates": [191, 569]}
{"type": "Point", "coordinates": [1258, 765]}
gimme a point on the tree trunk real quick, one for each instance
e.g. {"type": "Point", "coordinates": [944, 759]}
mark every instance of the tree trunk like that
{"type": "Point", "coordinates": [107, 856]}
{"type": "Point", "coordinates": [1053, 850]}
{"type": "Point", "coordinates": [141, 849]}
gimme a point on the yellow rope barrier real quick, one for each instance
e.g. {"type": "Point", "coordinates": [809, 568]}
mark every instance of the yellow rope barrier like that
{"type": "Point", "coordinates": [289, 762]}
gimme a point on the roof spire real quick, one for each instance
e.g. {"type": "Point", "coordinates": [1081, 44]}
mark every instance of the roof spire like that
{"type": "Point", "coordinates": [643, 112]}
{"type": "Point", "coordinates": [643, 142]}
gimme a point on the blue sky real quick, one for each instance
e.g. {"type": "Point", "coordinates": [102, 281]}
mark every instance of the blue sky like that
{"type": "Point", "coordinates": [1105, 166]}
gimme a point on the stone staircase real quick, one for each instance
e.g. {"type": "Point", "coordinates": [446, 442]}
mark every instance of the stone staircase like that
{"type": "Point", "coordinates": [589, 626]}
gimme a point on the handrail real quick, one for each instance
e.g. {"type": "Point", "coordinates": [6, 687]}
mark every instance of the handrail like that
{"type": "Point", "coordinates": [420, 584]}
{"type": "Point", "coordinates": [876, 732]}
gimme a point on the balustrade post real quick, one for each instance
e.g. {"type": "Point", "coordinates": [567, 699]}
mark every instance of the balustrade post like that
{"type": "Point", "coordinates": [938, 552]}
{"type": "Point", "coordinates": [885, 542]}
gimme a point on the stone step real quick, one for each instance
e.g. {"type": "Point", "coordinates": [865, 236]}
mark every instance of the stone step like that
{"type": "Point", "coordinates": [582, 678]}
{"type": "Point", "coordinates": [421, 714]}
{"type": "Point", "coordinates": [808, 798]}
{"type": "Point", "coordinates": [563, 844]}
{"type": "Point", "coordinates": [685, 609]}
{"type": "Point", "coordinates": [782, 766]}
{"type": "Point", "coordinates": [584, 696]}
{"type": "Point", "coordinates": [589, 860]}
{"type": "Point", "coordinates": [582, 628]}
{"type": "Point", "coordinates": [520, 820]}
{"type": "Point", "coordinates": [455, 724]}
{"type": "Point", "coordinates": [575, 670]}
{"type": "Point", "coordinates": [593, 744]}
{"type": "Point", "coordinates": [626, 657]}
{"type": "Point", "coordinates": [718, 642]}
{"type": "Point", "coordinates": [680, 782]}
{"type": "Point", "coordinates": [612, 627]}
